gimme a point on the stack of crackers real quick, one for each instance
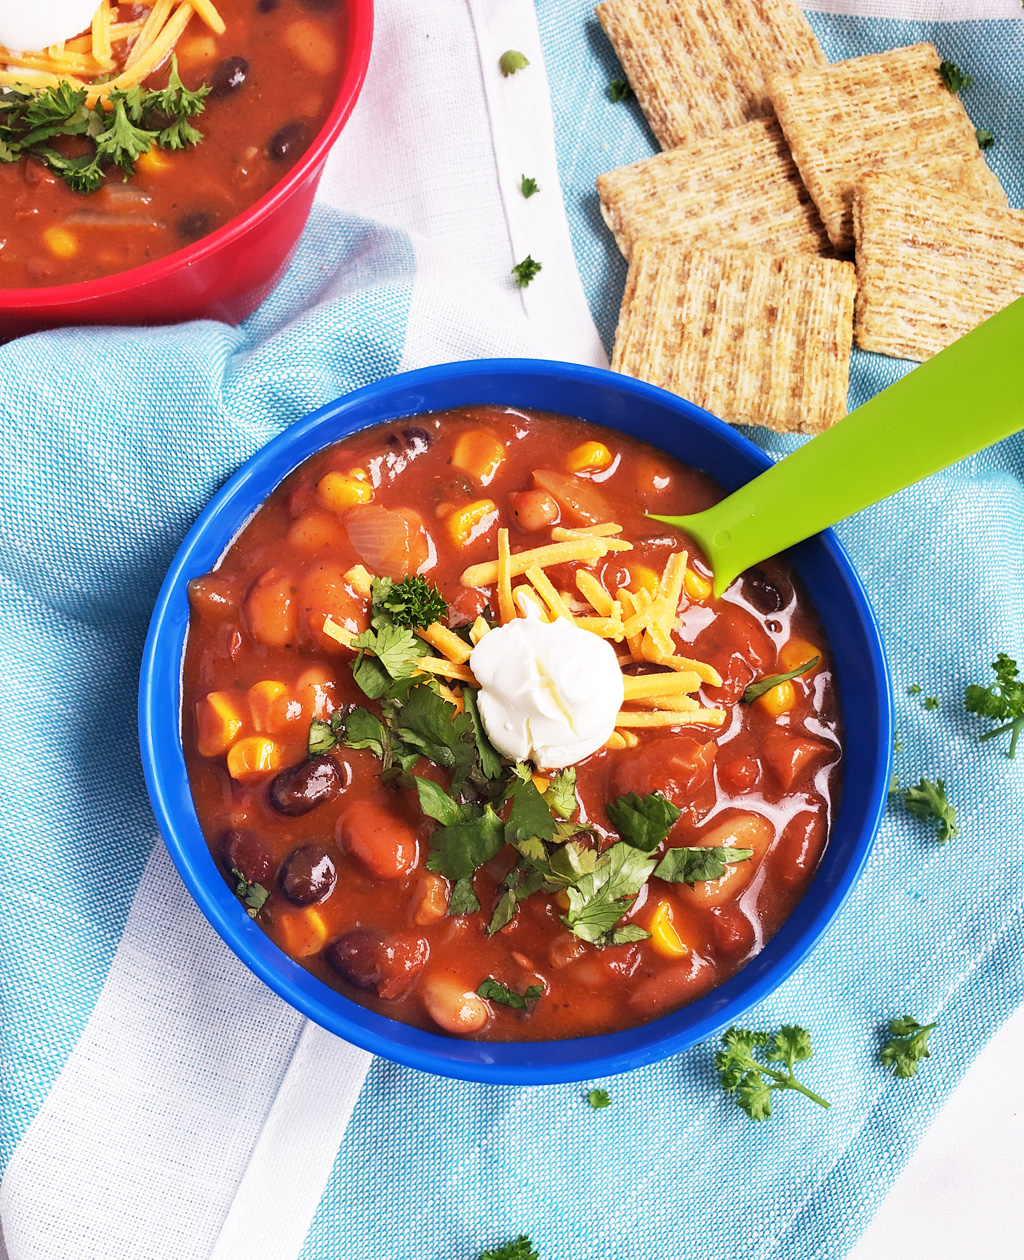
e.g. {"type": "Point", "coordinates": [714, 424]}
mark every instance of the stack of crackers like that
{"type": "Point", "coordinates": [777, 168]}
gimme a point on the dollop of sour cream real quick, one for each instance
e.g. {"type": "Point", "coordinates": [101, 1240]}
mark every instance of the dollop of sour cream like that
{"type": "Point", "coordinates": [33, 27]}
{"type": "Point", "coordinates": [549, 691]}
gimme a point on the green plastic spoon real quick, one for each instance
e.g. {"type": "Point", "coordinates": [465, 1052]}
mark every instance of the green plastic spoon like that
{"type": "Point", "coordinates": [962, 400]}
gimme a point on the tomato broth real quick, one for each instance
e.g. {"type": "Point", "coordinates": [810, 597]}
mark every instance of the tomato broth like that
{"type": "Point", "coordinates": [333, 853]}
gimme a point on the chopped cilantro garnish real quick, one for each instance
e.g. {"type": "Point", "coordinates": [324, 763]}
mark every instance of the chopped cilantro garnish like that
{"type": "Point", "coordinates": [953, 77]}
{"type": "Point", "coordinates": [599, 1099]}
{"type": "Point", "coordinates": [914, 689]}
{"type": "Point", "coordinates": [518, 1249]}
{"type": "Point", "coordinates": [744, 1075]}
{"type": "Point", "coordinates": [985, 138]}
{"type": "Point", "coordinates": [697, 864]}
{"type": "Point", "coordinates": [561, 793]}
{"type": "Point", "coordinates": [413, 602]}
{"type": "Point", "coordinates": [511, 61]}
{"type": "Point", "coordinates": [758, 688]}
{"type": "Point", "coordinates": [931, 703]}
{"type": "Point", "coordinates": [425, 721]}
{"type": "Point", "coordinates": [528, 186]}
{"type": "Point", "coordinates": [619, 90]}
{"type": "Point", "coordinates": [489, 757]}
{"type": "Point", "coordinates": [643, 821]}
{"type": "Point", "coordinates": [928, 802]}
{"type": "Point", "coordinates": [495, 991]}
{"type": "Point", "coordinates": [601, 895]}
{"type": "Point", "coordinates": [907, 1045]}
{"type": "Point", "coordinates": [251, 895]}
{"type": "Point", "coordinates": [530, 815]}
{"type": "Point", "coordinates": [1002, 702]}
{"type": "Point", "coordinates": [525, 271]}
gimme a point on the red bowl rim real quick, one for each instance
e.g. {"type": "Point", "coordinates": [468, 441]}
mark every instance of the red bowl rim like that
{"type": "Point", "coordinates": [358, 15]}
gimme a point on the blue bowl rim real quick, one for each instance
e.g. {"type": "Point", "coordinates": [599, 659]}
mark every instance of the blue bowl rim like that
{"type": "Point", "coordinates": [511, 1063]}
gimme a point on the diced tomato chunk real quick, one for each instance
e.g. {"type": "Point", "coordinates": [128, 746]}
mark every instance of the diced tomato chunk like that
{"type": "Point", "coordinates": [788, 756]}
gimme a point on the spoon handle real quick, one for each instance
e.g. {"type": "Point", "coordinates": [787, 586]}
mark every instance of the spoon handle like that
{"type": "Point", "coordinates": [967, 397]}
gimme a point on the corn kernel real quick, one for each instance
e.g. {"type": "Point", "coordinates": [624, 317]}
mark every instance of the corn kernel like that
{"type": "Point", "coordinates": [300, 933]}
{"type": "Point", "coordinates": [153, 162]}
{"type": "Point", "coordinates": [798, 652]}
{"type": "Point", "coordinates": [466, 524]}
{"type": "Point", "coordinates": [778, 699]}
{"type": "Point", "coordinates": [253, 756]}
{"type": "Point", "coordinates": [359, 474]}
{"type": "Point", "coordinates": [271, 706]}
{"type": "Point", "coordinates": [588, 457]}
{"type": "Point", "coordinates": [562, 899]}
{"type": "Point", "coordinates": [480, 454]}
{"type": "Point", "coordinates": [218, 722]}
{"type": "Point", "coordinates": [642, 578]}
{"type": "Point", "coordinates": [664, 937]}
{"type": "Point", "coordinates": [341, 491]}
{"type": "Point", "coordinates": [696, 586]}
{"type": "Point", "coordinates": [541, 782]}
{"type": "Point", "coordinates": [60, 242]}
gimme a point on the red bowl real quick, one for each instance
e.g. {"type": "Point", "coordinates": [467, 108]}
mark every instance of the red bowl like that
{"type": "Point", "coordinates": [227, 274]}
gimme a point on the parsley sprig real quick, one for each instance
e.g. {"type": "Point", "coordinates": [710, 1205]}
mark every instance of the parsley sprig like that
{"type": "Point", "coordinates": [599, 1099]}
{"type": "Point", "coordinates": [953, 77]}
{"type": "Point", "coordinates": [907, 1045]}
{"type": "Point", "coordinates": [928, 801]}
{"type": "Point", "coordinates": [495, 991]}
{"type": "Point", "coordinates": [526, 271]}
{"type": "Point", "coordinates": [1003, 701]}
{"type": "Point", "coordinates": [117, 133]}
{"type": "Point", "coordinates": [751, 1081]}
{"type": "Point", "coordinates": [518, 1249]}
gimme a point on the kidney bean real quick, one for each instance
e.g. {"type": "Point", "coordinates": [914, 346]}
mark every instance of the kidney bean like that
{"type": "Point", "coordinates": [305, 786]}
{"type": "Point", "coordinates": [378, 963]}
{"type": "Point", "coordinates": [732, 931]}
{"type": "Point", "coordinates": [308, 875]}
{"type": "Point", "coordinates": [739, 774]}
{"type": "Point", "coordinates": [762, 592]}
{"type": "Point", "coordinates": [271, 609]}
{"type": "Point", "coordinates": [246, 852]}
{"type": "Point", "coordinates": [800, 847]}
{"type": "Point", "coordinates": [228, 76]}
{"type": "Point", "coordinates": [691, 977]}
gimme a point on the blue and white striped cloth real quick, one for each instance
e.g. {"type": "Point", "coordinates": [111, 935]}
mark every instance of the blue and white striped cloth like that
{"type": "Point", "coordinates": [155, 1100]}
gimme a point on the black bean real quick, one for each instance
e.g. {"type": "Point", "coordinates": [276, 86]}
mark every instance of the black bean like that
{"type": "Point", "coordinates": [762, 593]}
{"type": "Point", "coordinates": [320, 6]}
{"type": "Point", "coordinates": [195, 224]}
{"type": "Point", "coordinates": [288, 143]}
{"type": "Point", "coordinates": [247, 852]}
{"type": "Point", "coordinates": [305, 786]}
{"type": "Point", "coordinates": [308, 875]}
{"type": "Point", "coordinates": [375, 963]}
{"type": "Point", "coordinates": [409, 442]}
{"type": "Point", "coordinates": [266, 6]}
{"type": "Point", "coordinates": [228, 76]}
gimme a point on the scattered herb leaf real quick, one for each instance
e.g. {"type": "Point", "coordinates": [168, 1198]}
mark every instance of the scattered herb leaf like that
{"type": "Point", "coordinates": [561, 793]}
{"type": "Point", "coordinates": [495, 991]}
{"type": "Point", "coordinates": [744, 1076]}
{"type": "Point", "coordinates": [414, 602]}
{"type": "Point", "coordinates": [757, 689]}
{"type": "Point", "coordinates": [528, 186]}
{"type": "Point", "coordinates": [1001, 702]}
{"type": "Point", "coordinates": [490, 759]}
{"type": "Point", "coordinates": [928, 802]}
{"type": "Point", "coordinates": [907, 1045]}
{"type": "Point", "coordinates": [431, 724]}
{"type": "Point", "coordinates": [931, 703]}
{"type": "Point", "coordinates": [696, 864]}
{"type": "Point", "coordinates": [600, 897]}
{"type": "Point", "coordinates": [599, 1099]}
{"type": "Point", "coordinates": [511, 61]}
{"type": "Point", "coordinates": [953, 77]}
{"type": "Point", "coordinates": [463, 899]}
{"type": "Point", "coordinates": [619, 90]}
{"type": "Point", "coordinates": [251, 895]}
{"type": "Point", "coordinates": [914, 689]}
{"type": "Point", "coordinates": [525, 271]}
{"type": "Point", "coordinates": [643, 821]}
{"type": "Point", "coordinates": [985, 138]}
{"type": "Point", "coordinates": [518, 1249]}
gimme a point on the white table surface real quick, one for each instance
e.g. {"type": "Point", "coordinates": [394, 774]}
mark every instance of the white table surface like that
{"type": "Point", "coordinates": [961, 1197]}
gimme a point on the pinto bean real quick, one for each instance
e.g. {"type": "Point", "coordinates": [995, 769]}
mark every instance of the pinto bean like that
{"type": "Point", "coordinates": [742, 831]}
{"type": "Point", "coordinates": [384, 843]}
{"type": "Point", "coordinates": [308, 875]}
{"type": "Point", "coordinates": [305, 786]}
{"type": "Point", "coordinates": [533, 509]}
{"type": "Point", "coordinates": [378, 963]}
{"type": "Point", "coordinates": [271, 610]}
{"type": "Point", "coordinates": [452, 1006]}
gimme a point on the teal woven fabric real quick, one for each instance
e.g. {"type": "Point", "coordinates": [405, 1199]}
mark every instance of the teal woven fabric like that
{"type": "Point", "coordinates": [672, 1168]}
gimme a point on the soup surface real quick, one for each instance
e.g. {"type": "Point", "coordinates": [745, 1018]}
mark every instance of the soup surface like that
{"type": "Point", "coordinates": [273, 75]}
{"type": "Point", "coordinates": [347, 785]}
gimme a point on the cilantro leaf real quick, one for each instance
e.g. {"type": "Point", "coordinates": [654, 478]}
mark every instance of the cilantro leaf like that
{"type": "Point", "coordinates": [644, 821]}
{"type": "Point", "coordinates": [914, 689]}
{"type": "Point", "coordinates": [930, 703]}
{"type": "Point", "coordinates": [619, 90]}
{"type": "Point", "coordinates": [495, 991]}
{"type": "Point", "coordinates": [953, 77]}
{"type": "Point", "coordinates": [396, 648]}
{"type": "Point", "coordinates": [179, 134]}
{"type": "Point", "coordinates": [413, 602]}
{"type": "Point", "coordinates": [985, 138]}
{"type": "Point", "coordinates": [599, 1099]}
{"type": "Point", "coordinates": [463, 899]}
{"type": "Point", "coordinates": [757, 689]}
{"type": "Point", "coordinates": [928, 802]}
{"type": "Point", "coordinates": [251, 895]}
{"type": "Point", "coordinates": [518, 1249]}
{"type": "Point", "coordinates": [360, 729]}
{"type": "Point", "coordinates": [529, 816]}
{"type": "Point", "coordinates": [753, 1081]}
{"type": "Point", "coordinates": [490, 759]}
{"type": "Point", "coordinates": [522, 881]}
{"type": "Point", "coordinates": [528, 186]}
{"type": "Point", "coordinates": [1003, 701]}
{"type": "Point", "coordinates": [458, 849]}
{"type": "Point", "coordinates": [511, 61]}
{"type": "Point", "coordinates": [907, 1045]}
{"type": "Point", "coordinates": [525, 271]}
{"type": "Point", "coordinates": [698, 863]}
{"type": "Point", "coordinates": [437, 804]}
{"type": "Point", "coordinates": [561, 794]}
{"type": "Point", "coordinates": [431, 724]}
{"type": "Point", "coordinates": [599, 899]}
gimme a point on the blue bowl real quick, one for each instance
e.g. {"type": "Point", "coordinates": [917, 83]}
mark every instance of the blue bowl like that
{"type": "Point", "coordinates": [696, 438]}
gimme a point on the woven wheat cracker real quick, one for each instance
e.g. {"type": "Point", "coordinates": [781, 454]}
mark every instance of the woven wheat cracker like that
{"type": "Point", "coordinates": [931, 265]}
{"type": "Point", "coordinates": [754, 338]}
{"type": "Point", "coordinates": [699, 67]}
{"type": "Point", "coordinates": [885, 111]}
{"type": "Point", "coordinates": [738, 190]}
